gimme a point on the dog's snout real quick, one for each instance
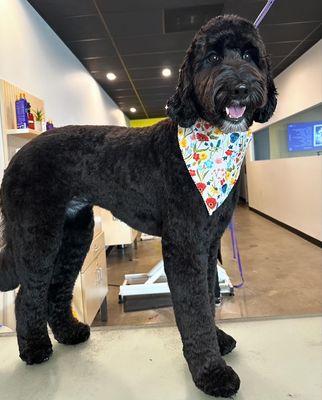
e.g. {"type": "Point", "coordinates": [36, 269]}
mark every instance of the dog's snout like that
{"type": "Point", "coordinates": [241, 90]}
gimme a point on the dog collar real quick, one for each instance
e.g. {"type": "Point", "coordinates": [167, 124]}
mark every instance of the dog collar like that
{"type": "Point", "coordinates": [213, 159]}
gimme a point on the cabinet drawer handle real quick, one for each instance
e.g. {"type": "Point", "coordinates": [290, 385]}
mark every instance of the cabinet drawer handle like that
{"type": "Point", "coordinates": [99, 275]}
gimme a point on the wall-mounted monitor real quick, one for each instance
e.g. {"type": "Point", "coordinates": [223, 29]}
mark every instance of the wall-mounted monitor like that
{"type": "Point", "coordinates": [305, 136]}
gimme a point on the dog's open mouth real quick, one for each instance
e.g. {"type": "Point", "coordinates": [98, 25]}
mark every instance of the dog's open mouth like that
{"type": "Point", "coordinates": [235, 112]}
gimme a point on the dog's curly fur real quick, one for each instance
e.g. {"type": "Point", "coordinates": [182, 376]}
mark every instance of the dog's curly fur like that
{"type": "Point", "coordinates": [52, 183]}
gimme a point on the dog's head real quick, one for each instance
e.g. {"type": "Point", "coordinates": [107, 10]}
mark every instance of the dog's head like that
{"type": "Point", "coordinates": [225, 77]}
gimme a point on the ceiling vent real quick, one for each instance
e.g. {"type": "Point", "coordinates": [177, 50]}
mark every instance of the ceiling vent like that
{"type": "Point", "coordinates": [189, 18]}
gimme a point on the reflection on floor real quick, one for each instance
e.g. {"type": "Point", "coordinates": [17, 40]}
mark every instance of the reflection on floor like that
{"type": "Point", "coordinates": [282, 272]}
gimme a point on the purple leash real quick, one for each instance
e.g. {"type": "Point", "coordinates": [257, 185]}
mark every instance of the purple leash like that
{"type": "Point", "coordinates": [264, 11]}
{"type": "Point", "coordinates": [236, 255]}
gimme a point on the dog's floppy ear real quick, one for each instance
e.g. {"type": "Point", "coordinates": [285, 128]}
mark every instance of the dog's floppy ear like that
{"type": "Point", "coordinates": [263, 114]}
{"type": "Point", "coordinates": [180, 107]}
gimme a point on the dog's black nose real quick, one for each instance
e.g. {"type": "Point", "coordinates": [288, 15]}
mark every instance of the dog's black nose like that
{"type": "Point", "coordinates": [241, 90]}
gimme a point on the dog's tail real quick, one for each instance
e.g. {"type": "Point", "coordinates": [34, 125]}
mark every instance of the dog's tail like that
{"type": "Point", "coordinates": [8, 276]}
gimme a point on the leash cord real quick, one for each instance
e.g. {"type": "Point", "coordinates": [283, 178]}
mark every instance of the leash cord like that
{"type": "Point", "coordinates": [236, 255]}
{"type": "Point", "coordinates": [264, 11]}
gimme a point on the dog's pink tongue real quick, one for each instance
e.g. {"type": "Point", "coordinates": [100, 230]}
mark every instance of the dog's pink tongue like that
{"type": "Point", "coordinates": [235, 111]}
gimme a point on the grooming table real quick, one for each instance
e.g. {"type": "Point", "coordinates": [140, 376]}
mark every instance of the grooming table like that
{"type": "Point", "coordinates": [151, 290]}
{"type": "Point", "coordinates": [145, 291]}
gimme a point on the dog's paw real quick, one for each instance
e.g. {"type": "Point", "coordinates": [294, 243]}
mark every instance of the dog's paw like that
{"type": "Point", "coordinates": [36, 351]}
{"type": "Point", "coordinates": [226, 342]}
{"type": "Point", "coordinates": [72, 333]}
{"type": "Point", "coordinates": [218, 381]}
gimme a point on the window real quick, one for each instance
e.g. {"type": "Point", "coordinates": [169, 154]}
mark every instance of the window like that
{"type": "Point", "coordinates": [299, 135]}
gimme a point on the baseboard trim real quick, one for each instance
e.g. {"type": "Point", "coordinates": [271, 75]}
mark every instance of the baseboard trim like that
{"type": "Point", "coordinates": [288, 227]}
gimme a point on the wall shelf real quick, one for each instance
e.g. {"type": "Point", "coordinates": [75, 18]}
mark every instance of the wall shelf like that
{"type": "Point", "coordinates": [13, 138]}
{"type": "Point", "coordinates": [23, 133]}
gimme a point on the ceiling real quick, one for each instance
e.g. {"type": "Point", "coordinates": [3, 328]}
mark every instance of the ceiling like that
{"type": "Point", "coordinates": [136, 39]}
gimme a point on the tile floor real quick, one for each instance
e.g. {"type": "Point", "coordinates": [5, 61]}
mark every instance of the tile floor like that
{"type": "Point", "coordinates": [283, 274]}
{"type": "Point", "coordinates": [276, 360]}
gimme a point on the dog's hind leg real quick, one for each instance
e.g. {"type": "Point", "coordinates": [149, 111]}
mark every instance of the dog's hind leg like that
{"type": "Point", "coordinates": [226, 342]}
{"type": "Point", "coordinates": [36, 246]}
{"type": "Point", "coordinates": [77, 237]}
{"type": "Point", "coordinates": [186, 259]}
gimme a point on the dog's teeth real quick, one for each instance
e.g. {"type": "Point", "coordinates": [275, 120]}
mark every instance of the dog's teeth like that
{"type": "Point", "coordinates": [235, 112]}
{"type": "Point", "coordinates": [228, 113]}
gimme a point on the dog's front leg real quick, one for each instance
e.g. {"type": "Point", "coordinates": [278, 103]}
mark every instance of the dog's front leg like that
{"type": "Point", "coordinates": [226, 342]}
{"type": "Point", "coordinates": [186, 263]}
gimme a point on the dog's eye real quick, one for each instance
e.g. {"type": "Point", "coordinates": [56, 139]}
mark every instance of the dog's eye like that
{"type": "Point", "coordinates": [247, 56]}
{"type": "Point", "coordinates": [213, 58]}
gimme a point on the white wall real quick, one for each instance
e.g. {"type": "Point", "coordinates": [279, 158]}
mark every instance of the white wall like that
{"type": "Point", "coordinates": [35, 59]}
{"type": "Point", "coordinates": [299, 86]}
{"type": "Point", "coordinates": [290, 189]}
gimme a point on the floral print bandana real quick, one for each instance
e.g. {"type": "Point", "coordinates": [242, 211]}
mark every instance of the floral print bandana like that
{"type": "Point", "coordinates": [213, 159]}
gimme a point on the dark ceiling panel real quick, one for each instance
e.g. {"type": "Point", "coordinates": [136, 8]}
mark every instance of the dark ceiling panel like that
{"type": "Point", "coordinates": [63, 8]}
{"type": "Point", "coordinates": [184, 19]}
{"type": "Point", "coordinates": [158, 99]}
{"type": "Point", "coordinates": [137, 35]}
{"type": "Point", "coordinates": [281, 48]}
{"type": "Point", "coordinates": [103, 64]}
{"type": "Point", "coordinates": [154, 60]}
{"type": "Point", "coordinates": [139, 22]}
{"type": "Point", "coordinates": [150, 91]}
{"type": "Point", "coordinates": [115, 86]}
{"type": "Point", "coordinates": [125, 6]}
{"type": "Point", "coordinates": [298, 51]}
{"type": "Point", "coordinates": [128, 92]}
{"type": "Point", "coordinates": [287, 32]}
{"type": "Point", "coordinates": [285, 11]}
{"type": "Point", "coordinates": [275, 61]}
{"type": "Point", "coordinates": [154, 43]}
{"type": "Point", "coordinates": [158, 82]}
{"type": "Point", "coordinates": [92, 48]}
{"type": "Point", "coordinates": [84, 27]}
{"type": "Point", "coordinates": [152, 73]}
{"type": "Point", "coordinates": [245, 8]}
{"type": "Point", "coordinates": [126, 100]}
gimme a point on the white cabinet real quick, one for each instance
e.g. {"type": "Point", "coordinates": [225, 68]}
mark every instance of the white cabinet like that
{"type": "Point", "coordinates": [7, 309]}
{"type": "Point", "coordinates": [91, 285]}
{"type": "Point", "coordinates": [115, 231]}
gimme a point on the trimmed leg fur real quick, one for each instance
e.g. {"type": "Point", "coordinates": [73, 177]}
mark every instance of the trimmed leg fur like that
{"type": "Point", "coordinates": [226, 342]}
{"type": "Point", "coordinates": [78, 233]}
{"type": "Point", "coordinates": [186, 269]}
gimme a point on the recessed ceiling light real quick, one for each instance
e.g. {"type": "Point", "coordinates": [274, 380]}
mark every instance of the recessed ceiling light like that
{"type": "Point", "coordinates": [110, 76]}
{"type": "Point", "coordinates": [166, 72]}
{"type": "Point", "coordinates": [133, 109]}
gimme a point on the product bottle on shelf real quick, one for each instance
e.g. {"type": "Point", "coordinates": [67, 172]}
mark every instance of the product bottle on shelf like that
{"type": "Point", "coordinates": [21, 112]}
{"type": "Point", "coordinates": [31, 118]}
{"type": "Point", "coordinates": [49, 125]}
{"type": "Point", "coordinates": [26, 104]}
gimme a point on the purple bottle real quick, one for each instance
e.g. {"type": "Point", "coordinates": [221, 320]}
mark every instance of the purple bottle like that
{"type": "Point", "coordinates": [21, 113]}
{"type": "Point", "coordinates": [49, 125]}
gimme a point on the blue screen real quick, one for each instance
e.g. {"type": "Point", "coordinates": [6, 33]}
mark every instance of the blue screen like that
{"type": "Point", "coordinates": [305, 136]}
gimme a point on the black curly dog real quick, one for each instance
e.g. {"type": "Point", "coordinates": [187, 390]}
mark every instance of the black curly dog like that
{"type": "Point", "coordinates": [52, 183]}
